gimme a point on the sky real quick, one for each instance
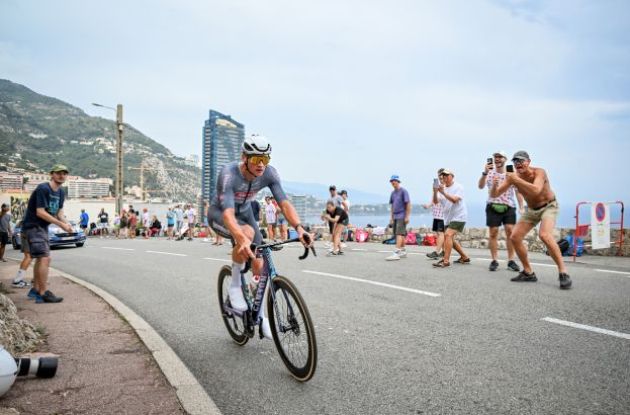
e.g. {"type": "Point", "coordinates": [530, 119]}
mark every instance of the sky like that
{"type": "Point", "coordinates": [351, 92]}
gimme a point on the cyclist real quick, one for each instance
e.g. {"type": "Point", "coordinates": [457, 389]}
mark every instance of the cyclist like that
{"type": "Point", "coordinates": [231, 216]}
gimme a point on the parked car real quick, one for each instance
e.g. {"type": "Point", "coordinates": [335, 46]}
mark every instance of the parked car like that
{"type": "Point", "coordinates": [56, 236]}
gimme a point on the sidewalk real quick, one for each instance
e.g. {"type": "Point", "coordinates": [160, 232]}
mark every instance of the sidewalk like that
{"type": "Point", "coordinates": [104, 368]}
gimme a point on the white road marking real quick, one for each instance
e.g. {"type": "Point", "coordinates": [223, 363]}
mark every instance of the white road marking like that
{"type": "Point", "coordinates": [538, 264]}
{"type": "Point", "coordinates": [380, 284]}
{"type": "Point", "coordinates": [589, 328]}
{"type": "Point", "coordinates": [625, 274]}
{"type": "Point", "coordinates": [359, 249]}
{"type": "Point", "coordinates": [165, 253]}
{"type": "Point", "coordinates": [386, 252]}
{"type": "Point", "coordinates": [217, 259]}
{"type": "Point", "coordinates": [119, 249]}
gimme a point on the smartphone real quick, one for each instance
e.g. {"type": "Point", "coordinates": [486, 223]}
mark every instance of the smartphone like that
{"type": "Point", "coordinates": [490, 160]}
{"type": "Point", "coordinates": [436, 183]}
{"type": "Point", "coordinates": [509, 168]}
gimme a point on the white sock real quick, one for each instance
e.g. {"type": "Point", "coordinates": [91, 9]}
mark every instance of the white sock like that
{"type": "Point", "coordinates": [20, 275]}
{"type": "Point", "coordinates": [236, 274]}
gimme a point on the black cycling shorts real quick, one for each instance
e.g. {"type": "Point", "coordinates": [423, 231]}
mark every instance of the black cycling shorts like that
{"type": "Point", "coordinates": [495, 219]}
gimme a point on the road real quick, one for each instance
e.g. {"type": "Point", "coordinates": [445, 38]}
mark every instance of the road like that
{"type": "Point", "coordinates": [423, 341]}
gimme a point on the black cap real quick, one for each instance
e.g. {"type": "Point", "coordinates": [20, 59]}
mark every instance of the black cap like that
{"type": "Point", "coordinates": [343, 192]}
{"type": "Point", "coordinates": [520, 155]}
{"type": "Point", "coordinates": [332, 187]}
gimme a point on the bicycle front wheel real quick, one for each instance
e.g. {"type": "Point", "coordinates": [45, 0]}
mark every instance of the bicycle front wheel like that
{"type": "Point", "coordinates": [292, 329]}
{"type": "Point", "coordinates": [234, 324]}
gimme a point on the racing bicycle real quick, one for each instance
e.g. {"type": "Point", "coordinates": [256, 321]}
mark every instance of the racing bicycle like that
{"type": "Point", "coordinates": [291, 325]}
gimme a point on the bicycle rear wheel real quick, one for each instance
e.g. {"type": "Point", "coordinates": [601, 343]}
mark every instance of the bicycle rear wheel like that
{"type": "Point", "coordinates": [234, 324]}
{"type": "Point", "coordinates": [292, 329]}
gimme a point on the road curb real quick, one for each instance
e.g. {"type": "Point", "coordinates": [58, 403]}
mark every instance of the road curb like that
{"type": "Point", "coordinates": [190, 393]}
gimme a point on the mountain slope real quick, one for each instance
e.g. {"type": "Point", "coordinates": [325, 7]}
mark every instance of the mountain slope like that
{"type": "Point", "coordinates": [37, 131]}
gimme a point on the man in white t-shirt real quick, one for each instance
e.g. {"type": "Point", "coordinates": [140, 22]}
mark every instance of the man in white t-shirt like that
{"type": "Point", "coordinates": [190, 214]}
{"type": "Point", "coordinates": [455, 217]}
{"type": "Point", "coordinates": [146, 222]}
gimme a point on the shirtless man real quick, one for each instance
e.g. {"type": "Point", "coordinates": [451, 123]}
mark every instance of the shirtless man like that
{"type": "Point", "coordinates": [533, 184]}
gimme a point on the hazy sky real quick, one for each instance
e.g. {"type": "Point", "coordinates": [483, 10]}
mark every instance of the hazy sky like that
{"type": "Point", "coordinates": [350, 92]}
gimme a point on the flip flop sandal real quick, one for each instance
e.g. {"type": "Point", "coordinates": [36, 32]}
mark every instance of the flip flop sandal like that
{"type": "Point", "coordinates": [441, 264]}
{"type": "Point", "coordinates": [463, 261]}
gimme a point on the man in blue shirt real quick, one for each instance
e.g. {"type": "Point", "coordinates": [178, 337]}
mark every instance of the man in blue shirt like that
{"type": "Point", "coordinates": [401, 209]}
{"type": "Point", "coordinates": [84, 221]}
{"type": "Point", "coordinates": [45, 206]}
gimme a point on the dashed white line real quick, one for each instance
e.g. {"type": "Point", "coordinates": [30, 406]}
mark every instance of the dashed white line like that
{"type": "Point", "coordinates": [359, 249]}
{"type": "Point", "coordinates": [585, 327]}
{"type": "Point", "coordinates": [380, 284]}
{"type": "Point", "coordinates": [625, 274]}
{"type": "Point", "coordinates": [165, 253]}
{"type": "Point", "coordinates": [118, 249]}
{"type": "Point", "coordinates": [218, 259]}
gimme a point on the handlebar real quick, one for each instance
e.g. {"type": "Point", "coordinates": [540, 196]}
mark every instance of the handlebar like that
{"type": "Point", "coordinates": [272, 245]}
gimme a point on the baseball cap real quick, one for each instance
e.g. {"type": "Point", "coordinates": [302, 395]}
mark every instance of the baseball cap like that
{"type": "Point", "coordinates": [500, 153]}
{"type": "Point", "coordinates": [332, 187]}
{"type": "Point", "coordinates": [447, 172]}
{"type": "Point", "coordinates": [395, 177]}
{"type": "Point", "coordinates": [520, 155]}
{"type": "Point", "coordinates": [58, 168]}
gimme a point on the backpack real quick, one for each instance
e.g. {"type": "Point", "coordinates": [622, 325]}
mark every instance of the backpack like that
{"type": "Point", "coordinates": [410, 239]}
{"type": "Point", "coordinates": [361, 235]}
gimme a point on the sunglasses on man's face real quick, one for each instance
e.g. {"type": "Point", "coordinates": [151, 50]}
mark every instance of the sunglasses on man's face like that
{"type": "Point", "coordinates": [518, 162]}
{"type": "Point", "coordinates": [265, 159]}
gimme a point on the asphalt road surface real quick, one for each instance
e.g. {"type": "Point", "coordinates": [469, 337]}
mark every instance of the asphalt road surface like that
{"type": "Point", "coordinates": [419, 341]}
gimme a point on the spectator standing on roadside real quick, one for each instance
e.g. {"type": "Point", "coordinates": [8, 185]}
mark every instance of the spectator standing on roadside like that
{"type": "Point", "coordinates": [146, 223]}
{"type": "Point", "coordinates": [103, 222]}
{"type": "Point", "coordinates": [455, 218]}
{"type": "Point", "coordinates": [191, 215]}
{"type": "Point", "coordinates": [500, 210]}
{"type": "Point", "coordinates": [5, 229]}
{"type": "Point", "coordinates": [270, 215]}
{"type": "Point", "coordinates": [533, 184]}
{"type": "Point", "coordinates": [170, 223]}
{"type": "Point", "coordinates": [179, 219]}
{"type": "Point", "coordinates": [339, 218]}
{"type": "Point", "coordinates": [346, 207]}
{"type": "Point", "coordinates": [400, 212]}
{"type": "Point", "coordinates": [337, 201]}
{"type": "Point", "coordinates": [84, 222]}
{"type": "Point", "coordinates": [123, 225]}
{"type": "Point", "coordinates": [438, 217]}
{"type": "Point", "coordinates": [45, 206]}
{"type": "Point", "coordinates": [281, 221]}
{"type": "Point", "coordinates": [132, 224]}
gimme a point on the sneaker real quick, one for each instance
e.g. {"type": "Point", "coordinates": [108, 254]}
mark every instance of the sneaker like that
{"type": "Point", "coordinates": [266, 328]}
{"type": "Point", "coordinates": [4, 260]}
{"type": "Point", "coordinates": [513, 266]}
{"type": "Point", "coordinates": [20, 284]}
{"type": "Point", "coordinates": [236, 298]}
{"type": "Point", "coordinates": [525, 277]}
{"type": "Point", "coordinates": [332, 253]}
{"type": "Point", "coordinates": [565, 281]}
{"type": "Point", "coordinates": [441, 254]}
{"type": "Point", "coordinates": [340, 253]}
{"type": "Point", "coordinates": [433, 255]}
{"type": "Point", "coordinates": [494, 265]}
{"type": "Point", "coordinates": [48, 297]}
{"type": "Point", "coordinates": [393, 257]}
{"type": "Point", "coordinates": [32, 293]}
{"type": "Point", "coordinates": [402, 253]}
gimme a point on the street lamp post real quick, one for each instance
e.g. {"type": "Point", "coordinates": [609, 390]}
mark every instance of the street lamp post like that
{"type": "Point", "coordinates": [118, 186]}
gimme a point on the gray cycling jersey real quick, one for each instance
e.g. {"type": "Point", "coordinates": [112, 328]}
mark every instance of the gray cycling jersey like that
{"type": "Point", "coordinates": [234, 191]}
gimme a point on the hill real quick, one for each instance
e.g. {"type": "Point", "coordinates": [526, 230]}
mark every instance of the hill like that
{"type": "Point", "coordinates": [37, 131]}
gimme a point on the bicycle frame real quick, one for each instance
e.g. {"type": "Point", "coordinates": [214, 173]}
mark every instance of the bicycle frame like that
{"type": "Point", "coordinates": [267, 275]}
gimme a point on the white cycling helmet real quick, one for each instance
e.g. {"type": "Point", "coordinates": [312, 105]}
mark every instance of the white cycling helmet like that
{"type": "Point", "coordinates": [256, 145]}
{"type": "Point", "coordinates": [8, 371]}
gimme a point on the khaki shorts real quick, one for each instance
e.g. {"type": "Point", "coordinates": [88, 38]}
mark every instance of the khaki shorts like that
{"type": "Point", "coordinates": [35, 242]}
{"type": "Point", "coordinates": [534, 216]}
{"type": "Point", "coordinates": [399, 227]}
{"type": "Point", "coordinates": [456, 226]}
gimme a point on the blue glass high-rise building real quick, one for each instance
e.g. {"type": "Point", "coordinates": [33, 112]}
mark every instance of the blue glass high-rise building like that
{"type": "Point", "coordinates": [222, 140]}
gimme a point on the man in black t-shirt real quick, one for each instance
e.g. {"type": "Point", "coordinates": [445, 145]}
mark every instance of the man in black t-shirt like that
{"type": "Point", "coordinates": [45, 206]}
{"type": "Point", "coordinates": [103, 223]}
